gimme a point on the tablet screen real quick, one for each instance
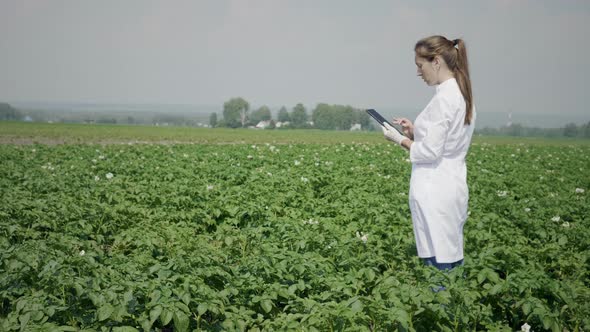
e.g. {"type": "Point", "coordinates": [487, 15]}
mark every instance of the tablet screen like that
{"type": "Point", "coordinates": [379, 118]}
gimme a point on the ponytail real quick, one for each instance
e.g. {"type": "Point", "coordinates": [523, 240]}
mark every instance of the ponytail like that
{"type": "Point", "coordinates": [462, 76]}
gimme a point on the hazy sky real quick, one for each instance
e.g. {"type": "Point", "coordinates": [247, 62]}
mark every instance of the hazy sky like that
{"type": "Point", "coordinates": [525, 56]}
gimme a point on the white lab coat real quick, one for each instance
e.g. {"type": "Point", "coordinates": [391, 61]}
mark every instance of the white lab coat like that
{"type": "Point", "coordinates": [438, 186]}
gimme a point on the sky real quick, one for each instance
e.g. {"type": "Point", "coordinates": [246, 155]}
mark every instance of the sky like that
{"type": "Point", "coordinates": [525, 56]}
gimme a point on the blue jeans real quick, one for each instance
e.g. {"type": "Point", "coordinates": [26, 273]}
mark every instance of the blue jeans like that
{"type": "Point", "coordinates": [431, 261]}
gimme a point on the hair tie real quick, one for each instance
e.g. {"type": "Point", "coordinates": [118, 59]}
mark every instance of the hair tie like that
{"type": "Point", "coordinates": [455, 42]}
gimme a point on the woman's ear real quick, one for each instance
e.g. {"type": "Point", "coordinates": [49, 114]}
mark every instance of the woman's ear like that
{"type": "Point", "coordinates": [436, 61]}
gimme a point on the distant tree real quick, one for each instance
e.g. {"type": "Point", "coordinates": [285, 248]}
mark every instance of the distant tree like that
{"type": "Point", "coordinates": [299, 116]}
{"type": "Point", "coordinates": [213, 120]}
{"type": "Point", "coordinates": [103, 119]}
{"type": "Point", "coordinates": [261, 114]}
{"type": "Point", "coordinates": [570, 130]}
{"type": "Point", "coordinates": [171, 120]}
{"type": "Point", "coordinates": [283, 115]}
{"type": "Point", "coordinates": [586, 130]}
{"type": "Point", "coordinates": [364, 119]}
{"type": "Point", "coordinates": [9, 113]}
{"type": "Point", "coordinates": [235, 112]}
{"type": "Point", "coordinates": [338, 117]}
{"type": "Point", "coordinates": [130, 120]}
{"type": "Point", "coordinates": [322, 117]}
{"type": "Point", "coordinates": [515, 129]}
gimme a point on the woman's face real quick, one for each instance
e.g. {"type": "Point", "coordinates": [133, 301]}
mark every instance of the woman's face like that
{"type": "Point", "coordinates": [425, 69]}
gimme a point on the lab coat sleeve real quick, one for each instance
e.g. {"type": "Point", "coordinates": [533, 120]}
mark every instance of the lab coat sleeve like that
{"type": "Point", "coordinates": [431, 147]}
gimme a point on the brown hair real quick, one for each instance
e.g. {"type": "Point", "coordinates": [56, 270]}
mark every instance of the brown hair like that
{"type": "Point", "coordinates": [456, 60]}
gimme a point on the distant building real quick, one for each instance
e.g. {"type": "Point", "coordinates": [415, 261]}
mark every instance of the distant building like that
{"type": "Point", "coordinates": [355, 127]}
{"type": "Point", "coordinates": [280, 124]}
{"type": "Point", "coordinates": [263, 124]}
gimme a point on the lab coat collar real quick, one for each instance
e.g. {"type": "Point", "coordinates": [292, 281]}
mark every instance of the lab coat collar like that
{"type": "Point", "coordinates": [450, 81]}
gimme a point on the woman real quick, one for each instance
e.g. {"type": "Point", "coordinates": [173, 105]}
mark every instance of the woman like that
{"type": "Point", "coordinates": [438, 142]}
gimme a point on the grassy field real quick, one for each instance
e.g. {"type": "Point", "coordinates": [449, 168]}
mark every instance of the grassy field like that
{"type": "Point", "coordinates": [45, 133]}
{"type": "Point", "coordinates": [293, 230]}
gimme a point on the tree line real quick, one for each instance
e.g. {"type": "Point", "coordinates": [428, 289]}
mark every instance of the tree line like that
{"type": "Point", "coordinates": [236, 114]}
{"type": "Point", "coordinates": [570, 130]}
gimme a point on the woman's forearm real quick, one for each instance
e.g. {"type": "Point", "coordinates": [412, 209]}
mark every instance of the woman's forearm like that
{"type": "Point", "coordinates": [407, 143]}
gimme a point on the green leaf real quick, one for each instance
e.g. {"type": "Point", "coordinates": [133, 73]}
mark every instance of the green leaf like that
{"type": "Point", "coordinates": [370, 275]}
{"type": "Point", "coordinates": [105, 312]}
{"type": "Point", "coordinates": [181, 322]}
{"type": "Point", "coordinates": [186, 298]}
{"type": "Point", "coordinates": [292, 289]}
{"type": "Point", "coordinates": [481, 276]}
{"type": "Point", "coordinates": [496, 289]}
{"type": "Point", "coordinates": [125, 329]}
{"type": "Point", "coordinates": [356, 306]}
{"type": "Point", "coordinates": [547, 322]}
{"type": "Point", "coordinates": [128, 296]}
{"type": "Point", "coordinates": [165, 316]}
{"type": "Point", "coordinates": [526, 308]}
{"type": "Point", "coordinates": [266, 305]}
{"type": "Point", "coordinates": [20, 305]}
{"type": "Point", "coordinates": [183, 307]}
{"type": "Point", "coordinates": [24, 320]}
{"type": "Point", "coordinates": [155, 313]}
{"type": "Point", "coordinates": [202, 308]}
{"type": "Point", "coordinates": [229, 240]}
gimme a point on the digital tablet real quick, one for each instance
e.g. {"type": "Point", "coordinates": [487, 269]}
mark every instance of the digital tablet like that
{"type": "Point", "coordinates": [379, 118]}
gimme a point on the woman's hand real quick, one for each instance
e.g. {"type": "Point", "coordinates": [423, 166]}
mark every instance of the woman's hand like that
{"type": "Point", "coordinates": [407, 126]}
{"type": "Point", "coordinates": [392, 134]}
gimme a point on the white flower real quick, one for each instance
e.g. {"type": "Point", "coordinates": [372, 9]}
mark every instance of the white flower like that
{"type": "Point", "coordinates": [310, 222]}
{"type": "Point", "coordinates": [304, 179]}
{"type": "Point", "coordinates": [185, 155]}
{"type": "Point", "coordinates": [101, 157]}
{"type": "Point", "coordinates": [579, 191]}
{"type": "Point", "coordinates": [525, 328]}
{"type": "Point", "coordinates": [96, 178]}
{"type": "Point", "coordinates": [109, 176]}
{"type": "Point", "coordinates": [556, 218]}
{"type": "Point", "coordinates": [364, 237]}
{"type": "Point", "coordinates": [527, 210]}
{"type": "Point", "coordinates": [94, 161]}
{"type": "Point", "coordinates": [209, 187]}
{"type": "Point", "coordinates": [269, 173]}
{"type": "Point", "coordinates": [501, 193]}
{"type": "Point", "coordinates": [249, 156]}
{"type": "Point", "coordinates": [297, 162]}
{"type": "Point", "coordinates": [565, 224]}
{"type": "Point", "coordinates": [82, 252]}
{"type": "Point", "coordinates": [34, 150]}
